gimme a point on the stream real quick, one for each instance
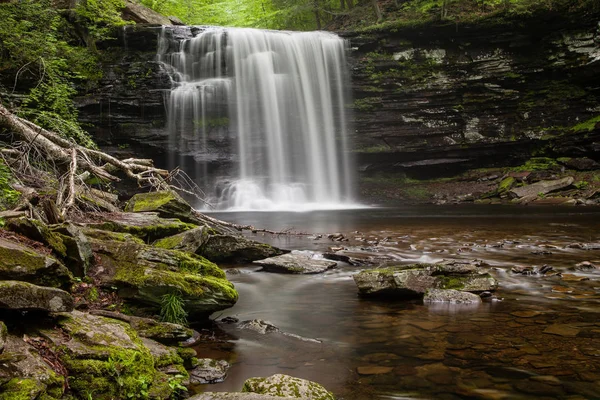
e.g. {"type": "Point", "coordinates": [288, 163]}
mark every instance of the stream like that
{"type": "Point", "coordinates": [539, 338]}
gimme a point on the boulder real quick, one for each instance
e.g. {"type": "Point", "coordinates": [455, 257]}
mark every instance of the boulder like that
{"type": "Point", "coordinates": [107, 360]}
{"type": "Point", "coordinates": [295, 263]}
{"type": "Point", "coordinates": [79, 256]}
{"type": "Point", "coordinates": [236, 249]}
{"type": "Point", "coordinates": [580, 164]}
{"type": "Point", "coordinates": [36, 230]}
{"type": "Point", "coordinates": [165, 204]}
{"type": "Point", "coordinates": [23, 296]}
{"type": "Point", "coordinates": [141, 14]}
{"type": "Point", "coordinates": [25, 375]}
{"type": "Point", "coordinates": [144, 274]}
{"type": "Point", "coordinates": [415, 279]}
{"type": "Point", "coordinates": [207, 370]}
{"type": "Point", "coordinates": [542, 187]}
{"type": "Point", "coordinates": [284, 385]}
{"type": "Point", "coordinates": [24, 263]}
{"type": "Point", "coordinates": [146, 226]}
{"type": "Point", "coordinates": [450, 296]}
{"type": "Point", "coordinates": [190, 241]}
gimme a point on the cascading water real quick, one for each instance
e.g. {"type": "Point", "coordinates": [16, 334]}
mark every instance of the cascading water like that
{"type": "Point", "coordinates": [280, 96]}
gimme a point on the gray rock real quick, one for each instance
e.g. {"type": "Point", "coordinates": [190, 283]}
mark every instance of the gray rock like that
{"type": "Point", "coordinates": [25, 375]}
{"type": "Point", "coordinates": [295, 263]}
{"type": "Point", "coordinates": [79, 256]}
{"type": "Point", "coordinates": [285, 385]}
{"type": "Point", "coordinates": [450, 296]}
{"type": "Point", "coordinates": [24, 263]}
{"type": "Point", "coordinates": [3, 336]}
{"type": "Point", "coordinates": [147, 226]}
{"type": "Point", "coordinates": [38, 231]}
{"type": "Point", "coordinates": [209, 371]}
{"type": "Point", "coordinates": [259, 326]}
{"type": "Point", "coordinates": [141, 14]}
{"type": "Point", "coordinates": [542, 187]}
{"type": "Point", "coordinates": [581, 164]}
{"type": "Point", "coordinates": [228, 248]}
{"type": "Point", "coordinates": [166, 204]}
{"type": "Point", "coordinates": [23, 296]}
{"type": "Point", "coordinates": [415, 279]}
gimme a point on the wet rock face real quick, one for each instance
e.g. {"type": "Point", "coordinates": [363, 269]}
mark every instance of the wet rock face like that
{"type": "Point", "coordinates": [464, 96]}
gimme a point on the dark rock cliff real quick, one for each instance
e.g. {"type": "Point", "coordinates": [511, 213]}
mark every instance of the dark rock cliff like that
{"type": "Point", "coordinates": [432, 99]}
{"type": "Point", "coordinates": [456, 96]}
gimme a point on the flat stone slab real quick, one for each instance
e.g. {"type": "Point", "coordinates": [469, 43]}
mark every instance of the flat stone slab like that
{"type": "Point", "coordinates": [295, 263]}
{"type": "Point", "coordinates": [542, 187]}
{"type": "Point", "coordinates": [16, 295]}
{"type": "Point", "coordinates": [450, 296]}
{"type": "Point", "coordinates": [562, 330]}
{"type": "Point", "coordinates": [373, 370]}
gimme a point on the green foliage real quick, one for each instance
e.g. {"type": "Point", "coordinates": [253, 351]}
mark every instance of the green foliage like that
{"type": "Point", "coordinates": [40, 51]}
{"type": "Point", "coordinates": [587, 126]}
{"type": "Point", "coordinates": [8, 196]}
{"type": "Point", "coordinates": [172, 309]}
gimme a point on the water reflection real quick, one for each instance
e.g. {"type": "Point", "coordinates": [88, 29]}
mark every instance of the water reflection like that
{"type": "Point", "coordinates": [541, 341]}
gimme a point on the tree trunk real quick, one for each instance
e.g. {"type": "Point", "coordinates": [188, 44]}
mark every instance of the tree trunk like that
{"type": "Point", "coordinates": [317, 15]}
{"type": "Point", "coordinates": [342, 4]}
{"type": "Point", "coordinates": [377, 10]}
{"type": "Point", "coordinates": [349, 4]}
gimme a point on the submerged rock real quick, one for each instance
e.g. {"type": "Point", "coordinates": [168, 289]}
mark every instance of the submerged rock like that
{"type": "Point", "coordinates": [450, 296]}
{"type": "Point", "coordinates": [415, 279]}
{"type": "Point", "coordinates": [295, 263]}
{"type": "Point", "coordinates": [23, 296]}
{"type": "Point", "coordinates": [284, 385]}
{"type": "Point", "coordinates": [208, 371]}
{"type": "Point", "coordinates": [227, 248]}
{"type": "Point", "coordinates": [143, 274]}
{"type": "Point", "coordinates": [24, 263]}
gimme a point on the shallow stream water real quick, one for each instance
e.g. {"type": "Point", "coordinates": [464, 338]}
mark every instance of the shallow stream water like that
{"type": "Point", "coordinates": [539, 339]}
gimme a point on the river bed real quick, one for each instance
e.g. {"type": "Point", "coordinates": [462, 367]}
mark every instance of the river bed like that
{"type": "Point", "coordinates": [540, 337]}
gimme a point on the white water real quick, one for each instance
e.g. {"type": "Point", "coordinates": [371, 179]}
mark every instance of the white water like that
{"type": "Point", "coordinates": [279, 97]}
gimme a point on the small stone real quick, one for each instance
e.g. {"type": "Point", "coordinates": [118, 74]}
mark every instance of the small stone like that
{"type": "Point", "coordinates": [525, 314]}
{"type": "Point", "coordinates": [373, 370]}
{"type": "Point", "coordinates": [562, 330]}
{"type": "Point", "coordinates": [209, 371]}
{"type": "Point", "coordinates": [574, 278]}
{"type": "Point", "coordinates": [586, 266]}
{"type": "Point", "coordinates": [550, 379]}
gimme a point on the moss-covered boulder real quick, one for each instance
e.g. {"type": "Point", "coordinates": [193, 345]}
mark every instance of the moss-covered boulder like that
{"type": "Point", "coordinates": [284, 385]}
{"type": "Point", "coordinates": [207, 370]}
{"type": "Point", "coordinates": [36, 230]}
{"type": "Point", "coordinates": [79, 256]}
{"type": "Point", "coordinates": [167, 204]}
{"type": "Point", "coordinates": [105, 359]}
{"type": "Point", "coordinates": [236, 249]}
{"type": "Point", "coordinates": [146, 226]}
{"type": "Point", "coordinates": [23, 296]}
{"type": "Point", "coordinates": [190, 241]}
{"type": "Point", "coordinates": [237, 396]}
{"type": "Point", "coordinates": [415, 279]}
{"type": "Point", "coordinates": [25, 375]}
{"type": "Point", "coordinates": [144, 274]}
{"type": "Point", "coordinates": [23, 263]}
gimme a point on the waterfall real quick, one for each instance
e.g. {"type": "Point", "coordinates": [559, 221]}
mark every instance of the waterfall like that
{"type": "Point", "coordinates": [277, 99]}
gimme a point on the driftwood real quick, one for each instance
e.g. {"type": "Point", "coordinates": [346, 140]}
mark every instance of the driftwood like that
{"type": "Point", "coordinates": [74, 163]}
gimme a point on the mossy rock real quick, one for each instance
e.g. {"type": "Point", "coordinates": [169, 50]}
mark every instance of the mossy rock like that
{"type": "Point", "coordinates": [105, 359]}
{"type": "Point", "coordinates": [23, 296]}
{"type": "Point", "coordinates": [236, 249]}
{"type": "Point", "coordinates": [280, 385]}
{"type": "Point", "coordinates": [38, 231]}
{"type": "Point", "coordinates": [143, 274]}
{"type": "Point", "coordinates": [79, 257]}
{"type": "Point", "coordinates": [24, 263]}
{"type": "Point", "coordinates": [25, 375]}
{"type": "Point", "coordinates": [104, 235]}
{"type": "Point", "coordinates": [167, 204]}
{"type": "Point", "coordinates": [146, 226]}
{"type": "Point", "coordinates": [415, 279]}
{"type": "Point", "coordinates": [190, 241]}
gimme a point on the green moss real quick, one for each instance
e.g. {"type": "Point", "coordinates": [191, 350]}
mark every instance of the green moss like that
{"type": "Point", "coordinates": [150, 201]}
{"type": "Point", "coordinates": [587, 126]}
{"type": "Point", "coordinates": [169, 242]}
{"type": "Point", "coordinates": [149, 232]}
{"type": "Point", "coordinates": [451, 282]}
{"type": "Point", "coordinates": [368, 103]}
{"type": "Point", "coordinates": [538, 164]}
{"type": "Point", "coordinates": [8, 196]}
{"type": "Point", "coordinates": [111, 236]}
{"type": "Point", "coordinates": [21, 389]}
